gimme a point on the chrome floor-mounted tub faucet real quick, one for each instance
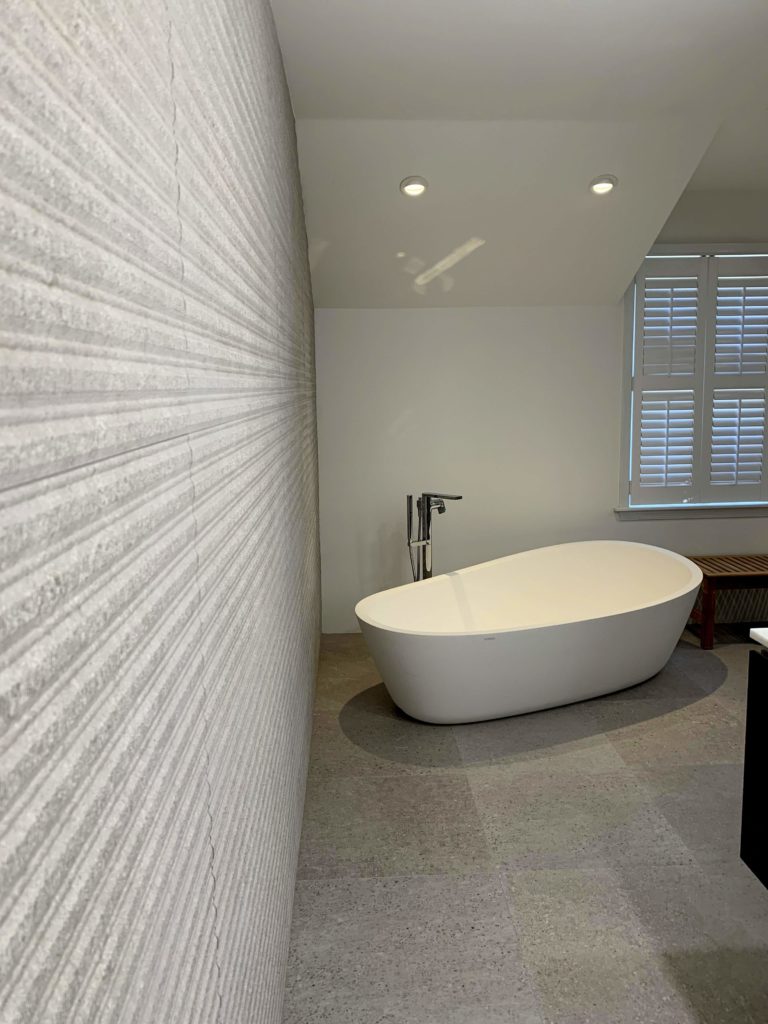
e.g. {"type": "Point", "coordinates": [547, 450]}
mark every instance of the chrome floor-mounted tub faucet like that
{"type": "Point", "coordinates": [421, 544]}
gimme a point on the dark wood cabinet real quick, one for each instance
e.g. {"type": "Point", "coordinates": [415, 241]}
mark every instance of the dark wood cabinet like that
{"type": "Point", "coordinates": [754, 814]}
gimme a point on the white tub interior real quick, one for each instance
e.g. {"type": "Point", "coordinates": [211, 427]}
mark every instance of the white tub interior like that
{"type": "Point", "coordinates": [559, 584]}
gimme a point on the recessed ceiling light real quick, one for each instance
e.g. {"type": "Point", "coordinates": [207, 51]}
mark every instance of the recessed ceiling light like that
{"type": "Point", "coordinates": [604, 184]}
{"type": "Point", "coordinates": [413, 186]}
{"type": "Point", "coordinates": [400, 255]}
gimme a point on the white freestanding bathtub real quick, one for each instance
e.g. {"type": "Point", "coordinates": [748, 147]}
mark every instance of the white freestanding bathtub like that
{"type": "Point", "coordinates": [529, 631]}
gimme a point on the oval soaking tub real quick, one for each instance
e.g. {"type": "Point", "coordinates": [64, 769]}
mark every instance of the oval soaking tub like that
{"type": "Point", "coordinates": [529, 631]}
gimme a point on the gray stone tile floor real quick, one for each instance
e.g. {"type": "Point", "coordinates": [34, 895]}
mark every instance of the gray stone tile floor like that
{"type": "Point", "coordinates": [573, 866]}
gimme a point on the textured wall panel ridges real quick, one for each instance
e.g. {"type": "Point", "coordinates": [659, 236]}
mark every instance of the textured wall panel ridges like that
{"type": "Point", "coordinates": [158, 513]}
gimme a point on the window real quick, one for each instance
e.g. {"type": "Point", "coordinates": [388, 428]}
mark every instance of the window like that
{"type": "Point", "coordinates": [699, 382]}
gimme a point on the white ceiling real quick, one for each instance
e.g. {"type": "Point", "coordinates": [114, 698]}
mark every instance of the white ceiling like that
{"type": "Point", "coordinates": [494, 59]}
{"type": "Point", "coordinates": [509, 108]}
{"type": "Point", "coordinates": [522, 186]}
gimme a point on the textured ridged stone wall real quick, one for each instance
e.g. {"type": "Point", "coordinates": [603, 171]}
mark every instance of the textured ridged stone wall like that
{"type": "Point", "coordinates": [157, 512]}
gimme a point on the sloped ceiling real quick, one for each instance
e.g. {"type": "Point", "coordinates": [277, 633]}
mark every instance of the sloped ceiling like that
{"type": "Point", "coordinates": [509, 110]}
{"type": "Point", "coordinates": [738, 156]}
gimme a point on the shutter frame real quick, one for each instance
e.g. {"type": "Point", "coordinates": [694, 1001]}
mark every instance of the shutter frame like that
{"type": "Point", "coordinates": [726, 378]}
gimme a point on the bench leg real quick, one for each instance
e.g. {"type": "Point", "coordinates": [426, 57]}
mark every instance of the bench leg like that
{"type": "Point", "coordinates": [708, 602]}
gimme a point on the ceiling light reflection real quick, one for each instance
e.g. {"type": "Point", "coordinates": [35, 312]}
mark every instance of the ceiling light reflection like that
{"type": "Point", "coordinates": [448, 261]}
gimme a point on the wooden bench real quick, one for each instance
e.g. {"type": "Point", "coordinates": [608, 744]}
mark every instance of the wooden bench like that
{"type": "Point", "coordinates": [725, 572]}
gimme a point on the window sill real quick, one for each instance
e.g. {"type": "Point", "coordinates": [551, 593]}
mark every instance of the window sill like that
{"type": "Point", "coordinates": [691, 511]}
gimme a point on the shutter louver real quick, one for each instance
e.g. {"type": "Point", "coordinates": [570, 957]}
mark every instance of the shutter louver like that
{"type": "Point", "coordinates": [738, 437]}
{"type": "Point", "coordinates": [741, 330]}
{"type": "Point", "coordinates": [669, 326]}
{"type": "Point", "coordinates": [666, 438]}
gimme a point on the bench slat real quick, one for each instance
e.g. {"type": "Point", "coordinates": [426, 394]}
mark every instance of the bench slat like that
{"type": "Point", "coordinates": [732, 565]}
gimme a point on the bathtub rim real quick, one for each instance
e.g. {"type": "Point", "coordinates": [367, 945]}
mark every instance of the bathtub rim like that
{"type": "Point", "coordinates": [696, 579]}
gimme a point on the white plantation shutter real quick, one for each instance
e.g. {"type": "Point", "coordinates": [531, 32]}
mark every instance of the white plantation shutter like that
{"type": "Point", "coordinates": [738, 437]}
{"type": "Point", "coordinates": [699, 381]}
{"type": "Point", "coordinates": [666, 380]}
{"type": "Point", "coordinates": [741, 324]}
{"type": "Point", "coordinates": [736, 380]}
{"type": "Point", "coordinates": [669, 326]}
{"type": "Point", "coordinates": [666, 438]}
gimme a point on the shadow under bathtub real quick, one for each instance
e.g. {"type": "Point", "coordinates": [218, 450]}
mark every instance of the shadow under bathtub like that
{"type": "Point", "coordinates": [372, 722]}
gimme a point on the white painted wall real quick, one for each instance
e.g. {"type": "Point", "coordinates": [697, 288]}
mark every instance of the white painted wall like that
{"type": "Point", "coordinates": [518, 409]}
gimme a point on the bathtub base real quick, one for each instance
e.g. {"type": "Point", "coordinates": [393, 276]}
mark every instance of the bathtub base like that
{"type": "Point", "coordinates": [448, 680]}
